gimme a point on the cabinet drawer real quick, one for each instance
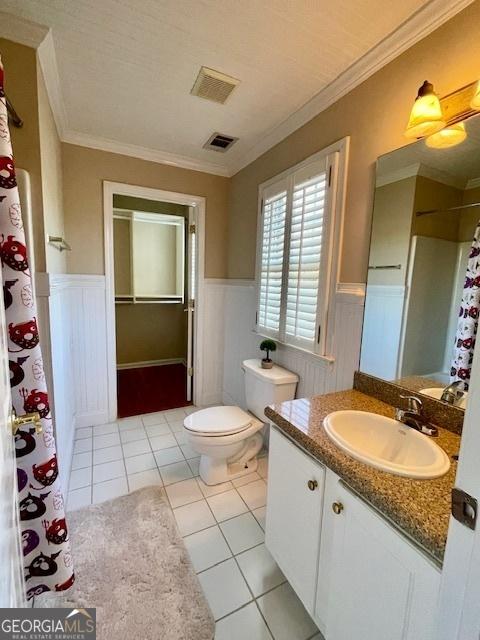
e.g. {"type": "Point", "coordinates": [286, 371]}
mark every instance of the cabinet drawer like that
{"type": "Point", "coordinates": [294, 514]}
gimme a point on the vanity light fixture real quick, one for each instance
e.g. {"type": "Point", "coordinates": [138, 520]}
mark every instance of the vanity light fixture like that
{"type": "Point", "coordinates": [475, 102]}
{"type": "Point", "coordinates": [426, 116]}
{"type": "Point", "coordinates": [448, 137]}
{"type": "Point", "coordinates": [441, 120]}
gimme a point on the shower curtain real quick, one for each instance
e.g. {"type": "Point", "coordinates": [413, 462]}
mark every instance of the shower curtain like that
{"type": "Point", "coordinates": [46, 547]}
{"type": "Point", "coordinates": [468, 317]}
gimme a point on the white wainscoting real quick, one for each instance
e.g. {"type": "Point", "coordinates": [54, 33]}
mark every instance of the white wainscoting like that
{"type": "Point", "coordinates": [74, 311]}
{"type": "Point", "coordinates": [210, 346]}
{"type": "Point", "coordinates": [88, 347]}
{"type": "Point", "coordinates": [383, 327]}
{"type": "Point", "coordinates": [236, 300]}
{"type": "Point", "coordinates": [241, 342]}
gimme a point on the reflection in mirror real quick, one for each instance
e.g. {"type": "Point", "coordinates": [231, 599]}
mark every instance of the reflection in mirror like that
{"type": "Point", "coordinates": [423, 288]}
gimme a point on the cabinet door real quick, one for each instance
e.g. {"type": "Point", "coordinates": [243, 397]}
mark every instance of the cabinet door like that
{"type": "Point", "coordinates": [380, 586]}
{"type": "Point", "coordinates": [294, 514]}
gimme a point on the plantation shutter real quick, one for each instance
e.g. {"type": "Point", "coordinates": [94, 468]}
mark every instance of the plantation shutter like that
{"type": "Point", "coordinates": [307, 235]}
{"type": "Point", "coordinates": [274, 211]}
{"type": "Point", "coordinates": [296, 263]}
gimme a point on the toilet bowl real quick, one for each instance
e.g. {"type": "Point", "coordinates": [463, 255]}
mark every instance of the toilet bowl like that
{"type": "Point", "coordinates": [227, 438]}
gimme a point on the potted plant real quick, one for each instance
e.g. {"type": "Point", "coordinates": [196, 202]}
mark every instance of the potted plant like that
{"type": "Point", "coordinates": [268, 346]}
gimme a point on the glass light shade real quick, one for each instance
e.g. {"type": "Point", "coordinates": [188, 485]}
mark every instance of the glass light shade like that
{"type": "Point", "coordinates": [448, 137]}
{"type": "Point", "coordinates": [426, 117]}
{"type": "Point", "coordinates": [475, 103]}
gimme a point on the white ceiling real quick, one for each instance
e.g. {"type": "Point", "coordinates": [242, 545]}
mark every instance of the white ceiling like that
{"type": "Point", "coordinates": [126, 67]}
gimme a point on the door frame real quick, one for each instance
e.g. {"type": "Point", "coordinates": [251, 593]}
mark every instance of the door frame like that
{"type": "Point", "coordinates": [458, 615]}
{"type": "Point", "coordinates": [199, 203]}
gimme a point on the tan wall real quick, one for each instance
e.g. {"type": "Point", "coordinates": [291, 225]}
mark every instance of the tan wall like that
{"type": "Point", "coordinates": [122, 257]}
{"type": "Point", "coordinates": [20, 66]}
{"type": "Point", "coordinates": [83, 172]}
{"type": "Point", "coordinates": [52, 187]}
{"type": "Point", "coordinates": [374, 115]}
{"type": "Point", "coordinates": [144, 332]}
{"type": "Point", "coordinates": [430, 194]}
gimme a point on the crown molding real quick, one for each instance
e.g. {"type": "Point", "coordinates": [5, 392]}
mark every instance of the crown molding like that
{"type": "Point", "coordinates": [414, 29]}
{"type": "Point", "coordinates": [426, 171]}
{"type": "Point", "coordinates": [473, 183]}
{"type": "Point", "coordinates": [399, 174]}
{"type": "Point", "coordinates": [48, 63]}
{"type": "Point", "coordinates": [144, 153]}
{"type": "Point", "coordinates": [25, 32]}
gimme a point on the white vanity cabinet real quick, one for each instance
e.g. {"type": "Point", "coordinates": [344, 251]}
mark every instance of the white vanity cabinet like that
{"type": "Point", "coordinates": [367, 579]}
{"type": "Point", "coordinates": [294, 514]}
{"type": "Point", "coordinates": [379, 584]}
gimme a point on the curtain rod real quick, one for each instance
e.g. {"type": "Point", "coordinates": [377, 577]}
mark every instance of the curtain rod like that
{"type": "Point", "coordinates": [13, 115]}
{"type": "Point", "coordinates": [462, 206]}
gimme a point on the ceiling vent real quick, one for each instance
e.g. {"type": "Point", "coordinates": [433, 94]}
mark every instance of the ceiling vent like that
{"type": "Point", "coordinates": [219, 142]}
{"type": "Point", "coordinates": [213, 85]}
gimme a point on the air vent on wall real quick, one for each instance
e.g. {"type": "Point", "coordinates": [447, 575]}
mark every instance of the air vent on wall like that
{"type": "Point", "coordinates": [213, 85]}
{"type": "Point", "coordinates": [219, 142]}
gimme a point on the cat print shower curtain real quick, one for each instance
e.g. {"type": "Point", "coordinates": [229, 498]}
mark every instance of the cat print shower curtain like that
{"type": "Point", "coordinates": [46, 547]}
{"type": "Point", "coordinates": [468, 317]}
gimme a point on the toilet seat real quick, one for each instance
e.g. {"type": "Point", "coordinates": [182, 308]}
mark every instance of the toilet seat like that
{"type": "Point", "coordinates": [218, 421]}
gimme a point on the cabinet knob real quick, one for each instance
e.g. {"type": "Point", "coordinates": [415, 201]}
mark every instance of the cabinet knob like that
{"type": "Point", "coordinates": [312, 485]}
{"type": "Point", "coordinates": [337, 508]}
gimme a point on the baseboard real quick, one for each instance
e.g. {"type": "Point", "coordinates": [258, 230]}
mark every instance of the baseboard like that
{"type": "Point", "coordinates": [91, 419]}
{"type": "Point", "coordinates": [151, 363]}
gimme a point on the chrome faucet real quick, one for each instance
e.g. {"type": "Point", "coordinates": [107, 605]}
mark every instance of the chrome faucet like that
{"type": "Point", "coordinates": [452, 394]}
{"type": "Point", "coordinates": [413, 416]}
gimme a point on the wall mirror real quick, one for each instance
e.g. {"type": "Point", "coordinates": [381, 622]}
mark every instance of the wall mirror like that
{"type": "Point", "coordinates": [149, 256]}
{"type": "Point", "coordinates": [422, 302]}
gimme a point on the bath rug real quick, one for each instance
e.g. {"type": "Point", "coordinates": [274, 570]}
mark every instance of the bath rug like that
{"type": "Point", "coordinates": [132, 565]}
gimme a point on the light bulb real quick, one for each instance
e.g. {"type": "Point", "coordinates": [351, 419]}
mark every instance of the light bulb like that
{"type": "Point", "coordinates": [448, 137]}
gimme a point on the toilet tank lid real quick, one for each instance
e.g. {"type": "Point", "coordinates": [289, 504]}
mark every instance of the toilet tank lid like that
{"type": "Point", "coordinates": [275, 375]}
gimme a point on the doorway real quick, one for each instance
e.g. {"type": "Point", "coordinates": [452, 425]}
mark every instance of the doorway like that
{"type": "Point", "coordinates": [154, 278]}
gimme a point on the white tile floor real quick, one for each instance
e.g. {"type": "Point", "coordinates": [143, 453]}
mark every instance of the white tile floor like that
{"type": "Point", "coordinates": [222, 526]}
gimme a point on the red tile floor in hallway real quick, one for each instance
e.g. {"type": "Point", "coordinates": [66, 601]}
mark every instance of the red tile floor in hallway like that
{"type": "Point", "coordinates": [150, 389]}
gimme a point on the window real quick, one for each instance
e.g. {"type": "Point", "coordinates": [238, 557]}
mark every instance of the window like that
{"type": "Point", "coordinates": [298, 239]}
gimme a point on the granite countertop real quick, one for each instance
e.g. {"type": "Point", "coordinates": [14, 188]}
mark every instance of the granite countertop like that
{"type": "Point", "coordinates": [417, 383]}
{"type": "Point", "coordinates": [420, 508]}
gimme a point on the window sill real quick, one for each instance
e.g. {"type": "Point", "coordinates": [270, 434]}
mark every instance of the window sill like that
{"type": "Point", "coordinates": [316, 357]}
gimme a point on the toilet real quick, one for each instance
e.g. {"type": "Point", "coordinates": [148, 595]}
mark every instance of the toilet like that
{"type": "Point", "coordinates": [227, 438]}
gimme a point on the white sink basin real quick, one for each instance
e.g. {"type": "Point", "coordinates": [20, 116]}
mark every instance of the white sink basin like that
{"type": "Point", "coordinates": [386, 444]}
{"type": "Point", "coordinates": [436, 392]}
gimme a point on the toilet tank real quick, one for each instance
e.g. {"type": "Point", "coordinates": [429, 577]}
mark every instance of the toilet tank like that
{"type": "Point", "coordinates": [267, 386]}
